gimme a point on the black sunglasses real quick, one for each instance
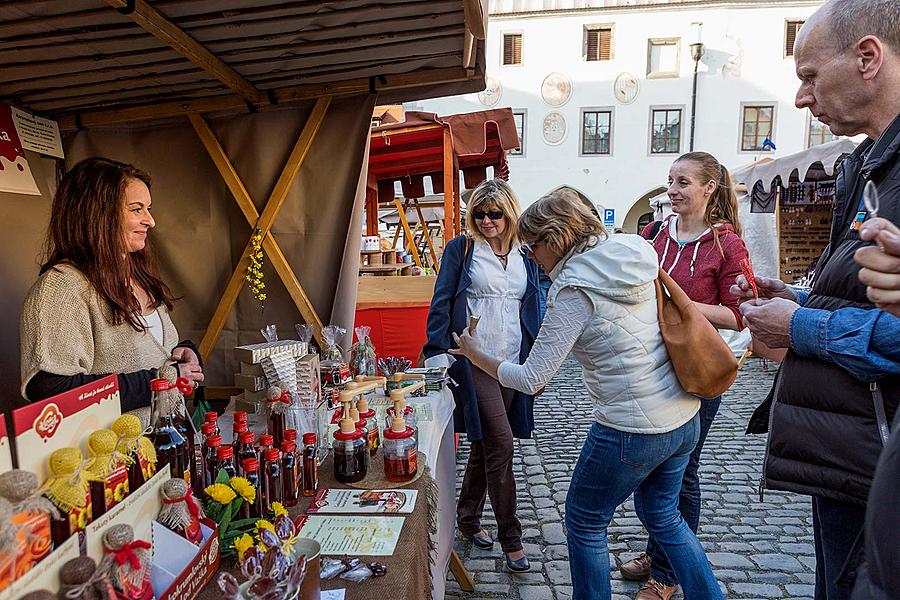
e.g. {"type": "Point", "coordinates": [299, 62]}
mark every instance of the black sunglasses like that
{"type": "Point", "coordinates": [493, 215]}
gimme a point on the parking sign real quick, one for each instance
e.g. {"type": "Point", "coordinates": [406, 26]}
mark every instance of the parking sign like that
{"type": "Point", "coordinates": [609, 216]}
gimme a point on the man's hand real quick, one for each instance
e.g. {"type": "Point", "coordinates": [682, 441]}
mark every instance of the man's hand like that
{"type": "Point", "coordinates": [188, 365]}
{"type": "Point", "coordinates": [881, 264]}
{"type": "Point", "coordinates": [468, 344]}
{"type": "Point", "coordinates": [767, 288]}
{"type": "Point", "coordinates": [769, 320]}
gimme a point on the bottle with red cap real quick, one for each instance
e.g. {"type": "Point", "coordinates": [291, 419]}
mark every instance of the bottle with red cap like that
{"type": "Point", "coordinates": [272, 476]}
{"type": "Point", "coordinates": [167, 433]}
{"type": "Point", "coordinates": [250, 470]}
{"type": "Point", "coordinates": [289, 473]}
{"type": "Point", "coordinates": [237, 429]}
{"type": "Point", "coordinates": [351, 449]}
{"type": "Point", "coordinates": [266, 441]}
{"type": "Point", "coordinates": [206, 430]}
{"type": "Point", "coordinates": [225, 460]}
{"type": "Point", "coordinates": [310, 461]}
{"type": "Point", "coordinates": [240, 416]}
{"type": "Point", "coordinates": [210, 449]}
{"type": "Point", "coordinates": [246, 448]}
{"type": "Point", "coordinates": [213, 417]}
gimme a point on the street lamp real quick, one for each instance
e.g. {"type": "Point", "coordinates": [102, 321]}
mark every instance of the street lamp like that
{"type": "Point", "coordinates": [697, 50]}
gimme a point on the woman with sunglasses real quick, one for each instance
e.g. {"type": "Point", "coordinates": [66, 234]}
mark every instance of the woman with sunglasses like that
{"type": "Point", "coordinates": [485, 273]}
{"type": "Point", "coordinates": [602, 308]}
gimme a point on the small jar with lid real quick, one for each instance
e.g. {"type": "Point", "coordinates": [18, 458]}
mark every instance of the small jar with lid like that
{"type": "Point", "coordinates": [400, 449]}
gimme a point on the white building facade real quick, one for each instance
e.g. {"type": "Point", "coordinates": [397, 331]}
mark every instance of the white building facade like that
{"type": "Point", "coordinates": [603, 92]}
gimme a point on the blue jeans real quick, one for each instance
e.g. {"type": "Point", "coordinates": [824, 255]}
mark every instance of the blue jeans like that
{"type": "Point", "coordinates": [836, 527]}
{"type": "Point", "coordinates": [689, 498]}
{"type": "Point", "coordinates": [614, 464]}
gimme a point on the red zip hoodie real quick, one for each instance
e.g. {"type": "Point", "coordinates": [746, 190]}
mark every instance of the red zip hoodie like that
{"type": "Point", "coordinates": [698, 265]}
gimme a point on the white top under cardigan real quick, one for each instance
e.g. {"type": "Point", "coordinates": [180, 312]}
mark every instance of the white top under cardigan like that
{"type": "Point", "coordinates": [496, 295]}
{"type": "Point", "coordinates": [602, 307]}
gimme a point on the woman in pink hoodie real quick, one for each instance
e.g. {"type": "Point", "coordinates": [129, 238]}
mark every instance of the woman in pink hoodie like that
{"type": "Point", "coordinates": [700, 246]}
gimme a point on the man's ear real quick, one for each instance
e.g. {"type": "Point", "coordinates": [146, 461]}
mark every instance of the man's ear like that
{"type": "Point", "coordinates": [869, 56]}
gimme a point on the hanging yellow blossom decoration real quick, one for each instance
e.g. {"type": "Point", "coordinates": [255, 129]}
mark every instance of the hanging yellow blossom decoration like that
{"type": "Point", "coordinates": [242, 544]}
{"type": "Point", "coordinates": [244, 488]}
{"type": "Point", "coordinates": [279, 509]}
{"type": "Point", "coordinates": [254, 274]}
{"type": "Point", "coordinates": [221, 493]}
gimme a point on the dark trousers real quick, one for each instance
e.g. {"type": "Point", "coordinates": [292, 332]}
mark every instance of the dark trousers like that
{"type": "Point", "coordinates": [489, 471]}
{"type": "Point", "coordinates": [836, 529]}
{"type": "Point", "coordinates": [689, 497]}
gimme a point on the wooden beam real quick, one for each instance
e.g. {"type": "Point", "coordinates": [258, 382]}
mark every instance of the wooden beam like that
{"type": "Point", "coordinates": [158, 25]}
{"type": "Point", "coordinates": [411, 242]}
{"type": "Point", "coordinates": [264, 224]}
{"type": "Point", "coordinates": [457, 199]}
{"type": "Point", "coordinates": [469, 46]}
{"type": "Point", "coordinates": [460, 574]}
{"type": "Point", "coordinates": [448, 183]}
{"type": "Point", "coordinates": [475, 11]}
{"type": "Point", "coordinates": [371, 211]}
{"type": "Point", "coordinates": [434, 260]}
{"type": "Point", "coordinates": [166, 110]}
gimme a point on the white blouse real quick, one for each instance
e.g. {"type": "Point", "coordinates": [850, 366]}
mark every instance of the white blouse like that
{"type": "Point", "coordinates": [154, 325]}
{"type": "Point", "coordinates": [496, 295]}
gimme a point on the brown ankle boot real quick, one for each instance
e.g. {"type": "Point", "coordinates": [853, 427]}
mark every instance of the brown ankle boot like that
{"type": "Point", "coordinates": [636, 569]}
{"type": "Point", "coordinates": [654, 590]}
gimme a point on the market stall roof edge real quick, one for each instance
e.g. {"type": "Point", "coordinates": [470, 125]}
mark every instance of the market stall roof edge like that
{"type": "Point", "coordinates": [766, 170]}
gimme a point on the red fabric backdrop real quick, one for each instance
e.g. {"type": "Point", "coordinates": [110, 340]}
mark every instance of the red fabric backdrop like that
{"type": "Point", "coordinates": [396, 331]}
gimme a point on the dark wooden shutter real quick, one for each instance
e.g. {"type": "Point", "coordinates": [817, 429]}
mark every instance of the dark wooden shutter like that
{"type": "Point", "coordinates": [790, 36]}
{"type": "Point", "coordinates": [512, 49]}
{"type": "Point", "coordinates": [599, 44]}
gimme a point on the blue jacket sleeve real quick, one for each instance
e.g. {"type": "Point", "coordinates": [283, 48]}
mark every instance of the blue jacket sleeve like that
{"type": "Point", "coordinates": [439, 314]}
{"type": "Point", "coordinates": [864, 342]}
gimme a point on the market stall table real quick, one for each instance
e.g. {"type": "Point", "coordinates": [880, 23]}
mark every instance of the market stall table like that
{"type": "Point", "coordinates": [410, 570]}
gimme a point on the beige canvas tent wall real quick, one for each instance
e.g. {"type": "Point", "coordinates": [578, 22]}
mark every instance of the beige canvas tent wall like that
{"type": "Point", "coordinates": [145, 82]}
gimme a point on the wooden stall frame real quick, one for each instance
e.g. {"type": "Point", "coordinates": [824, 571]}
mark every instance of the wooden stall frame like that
{"type": "Point", "coordinates": [261, 223]}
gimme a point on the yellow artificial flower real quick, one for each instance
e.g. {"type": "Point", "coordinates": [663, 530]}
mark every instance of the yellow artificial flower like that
{"type": "Point", "coordinates": [220, 493]}
{"type": "Point", "coordinates": [264, 524]}
{"type": "Point", "coordinates": [244, 488]}
{"type": "Point", "coordinates": [242, 544]}
{"type": "Point", "coordinates": [279, 509]}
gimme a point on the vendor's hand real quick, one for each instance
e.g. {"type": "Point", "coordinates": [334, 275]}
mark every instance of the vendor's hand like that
{"type": "Point", "coordinates": [182, 354]}
{"type": "Point", "coordinates": [767, 288]}
{"type": "Point", "coordinates": [769, 320]}
{"type": "Point", "coordinates": [468, 344]}
{"type": "Point", "coordinates": [188, 365]}
{"type": "Point", "coordinates": [881, 264]}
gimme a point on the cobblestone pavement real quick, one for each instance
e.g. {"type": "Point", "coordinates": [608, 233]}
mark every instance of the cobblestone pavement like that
{"type": "Point", "coordinates": [757, 549]}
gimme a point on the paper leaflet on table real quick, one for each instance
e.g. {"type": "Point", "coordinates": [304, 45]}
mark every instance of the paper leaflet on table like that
{"type": "Point", "coordinates": [345, 501]}
{"type": "Point", "coordinates": [353, 535]}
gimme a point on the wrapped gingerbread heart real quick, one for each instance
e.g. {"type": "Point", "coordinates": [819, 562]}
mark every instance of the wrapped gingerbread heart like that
{"type": "Point", "coordinates": [127, 562]}
{"type": "Point", "coordinates": [109, 471]}
{"type": "Point", "coordinates": [81, 580]}
{"type": "Point", "coordinates": [138, 447]}
{"type": "Point", "coordinates": [180, 511]}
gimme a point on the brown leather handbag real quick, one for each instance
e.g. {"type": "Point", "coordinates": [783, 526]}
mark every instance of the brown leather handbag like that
{"type": "Point", "coordinates": [704, 364]}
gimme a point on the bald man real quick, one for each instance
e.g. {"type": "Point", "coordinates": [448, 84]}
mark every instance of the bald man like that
{"type": "Point", "coordinates": [831, 407]}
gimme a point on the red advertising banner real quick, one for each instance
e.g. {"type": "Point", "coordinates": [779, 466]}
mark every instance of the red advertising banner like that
{"type": "Point", "coordinates": [15, 174]}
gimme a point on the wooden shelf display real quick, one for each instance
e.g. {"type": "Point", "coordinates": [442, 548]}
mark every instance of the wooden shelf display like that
{"type": "Point", "coordinates": [804, 226]}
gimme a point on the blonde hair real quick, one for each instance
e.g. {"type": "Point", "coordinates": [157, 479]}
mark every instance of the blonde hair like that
{"type": "Point", "coordinates": [491, 193]}
{"type": "Point", "coordinates": [562, 221]}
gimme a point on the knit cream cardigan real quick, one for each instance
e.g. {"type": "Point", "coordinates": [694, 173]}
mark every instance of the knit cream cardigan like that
{"type": "Point", "coordinates": [66, 330]}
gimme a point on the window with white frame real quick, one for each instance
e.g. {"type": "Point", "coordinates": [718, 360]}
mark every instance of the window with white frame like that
{"type": "Point", "coordinates": [596, 132]}
{"type": "Point", "coordinates": [520, 118]}
{"type": "Point", "coordinates": [512, 49]}
{"type": "Point", "coordinates": [663, 57]}
{"type": "Point", "coordinates": [757, 125]}
{"type": "Point", "coordinates": [598, 42]}
{"type": "Point", "coordinates": [818, 133]}
{"type": "Point", "coordinates": [665, 132]}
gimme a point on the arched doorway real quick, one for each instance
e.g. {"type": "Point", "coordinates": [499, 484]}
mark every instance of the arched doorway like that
{"type": "Point", "coordinates": [642, 211]}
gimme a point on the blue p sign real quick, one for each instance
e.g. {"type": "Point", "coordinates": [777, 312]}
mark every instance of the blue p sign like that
{"type": "Point", "coordinates": [609, 216]}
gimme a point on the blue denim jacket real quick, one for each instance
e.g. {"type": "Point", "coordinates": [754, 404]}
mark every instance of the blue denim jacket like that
{"type": "Point", "coordinates": [864, 342]}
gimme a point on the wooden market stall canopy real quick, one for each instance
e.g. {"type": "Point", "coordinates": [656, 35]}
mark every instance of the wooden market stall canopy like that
{"type": "Point", "coordinates": [426, 144]}
{"type": "Point", "coordinates": [297, 82]}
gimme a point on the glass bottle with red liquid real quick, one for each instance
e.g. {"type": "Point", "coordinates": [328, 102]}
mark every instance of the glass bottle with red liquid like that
{"type": "Point", "coordinates": [273, 483]}
{"type": "Point", "coordinates": [290, 435]}
{"type": "Point", "coordinates": [237, 428]}
{"type": "Point", "coordinates": [250, 469]}
{"type": "Point", "coordinates": [245, 449]}
{"type": "Point", "coordinates": [266, 441]}
{"type": "Point", "coordinates": [206, 430]}
{"type": "Point", "coordinates": [225, 460]}
{"type": "Point", "coordinates": [211, 469]}
{"type": "Point", "coordinates": [167, 433]}
{"type": "Point", "coordinates": [279, 402]}
{"type": "Point", "coordinates": [351, 450]}
{"type": "Point", "coordinates": [310, 465]}
{"type": "Point", "coordinates": [290, 473]}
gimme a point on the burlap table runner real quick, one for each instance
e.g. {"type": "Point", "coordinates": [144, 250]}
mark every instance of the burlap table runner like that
{"type": "Point", "coordinates": [409, 569]}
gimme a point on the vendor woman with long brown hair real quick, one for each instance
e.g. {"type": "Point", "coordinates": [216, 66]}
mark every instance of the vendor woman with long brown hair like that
{"type": "Point", "coordinates": [99, 305]}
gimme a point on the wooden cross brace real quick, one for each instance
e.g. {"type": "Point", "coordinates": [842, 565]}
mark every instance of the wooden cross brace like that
{"type": "Point", "coordinates": [261, 222]}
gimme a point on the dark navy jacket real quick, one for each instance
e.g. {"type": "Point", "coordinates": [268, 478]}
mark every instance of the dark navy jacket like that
{"type": "Point", "coordinates": [448, 315]}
